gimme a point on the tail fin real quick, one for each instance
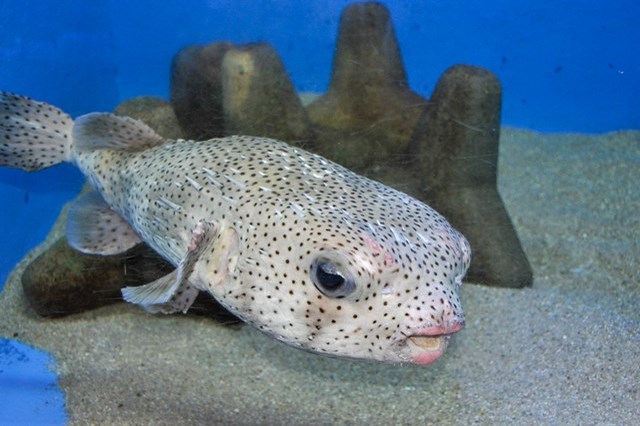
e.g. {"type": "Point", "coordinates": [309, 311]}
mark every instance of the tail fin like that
{"type": "Point", "coordinates": [33, 135]}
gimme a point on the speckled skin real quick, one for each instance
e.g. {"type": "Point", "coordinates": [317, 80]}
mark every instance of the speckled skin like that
{"type": "Point", "coordinates": [285, 208]}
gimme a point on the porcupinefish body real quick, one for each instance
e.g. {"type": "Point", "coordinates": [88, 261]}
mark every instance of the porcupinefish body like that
{"type": "Point", "coordinates": [301, 248]}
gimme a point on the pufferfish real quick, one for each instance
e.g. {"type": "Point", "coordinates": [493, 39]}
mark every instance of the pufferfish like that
{"type": "Point", "coordinates": [299, 247]}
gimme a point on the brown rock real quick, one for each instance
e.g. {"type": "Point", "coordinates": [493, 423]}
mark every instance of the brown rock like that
{"type": "Point", "coordinates": [456, 143]}
{"type": "Point", "coordinates": [259, 98]}
{"type": "Point", "coordinates": [62, 281]}
{"type": "Point", "coordinates": [368, 95]}
{"type": "Point", "coordinates": [155, 112]}
{"type": "Point", "coordinates": [196, 90]}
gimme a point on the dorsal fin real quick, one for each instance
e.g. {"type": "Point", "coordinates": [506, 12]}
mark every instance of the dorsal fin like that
{"type": "Point", "coordinates": [105, 130]}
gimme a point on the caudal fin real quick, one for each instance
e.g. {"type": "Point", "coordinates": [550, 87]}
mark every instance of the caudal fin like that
{"type": "Point", "coordinates": [33, 135]}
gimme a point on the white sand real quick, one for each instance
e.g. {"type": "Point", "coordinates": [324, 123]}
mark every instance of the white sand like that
{"type": "Point", "coordinates": [566, 351]}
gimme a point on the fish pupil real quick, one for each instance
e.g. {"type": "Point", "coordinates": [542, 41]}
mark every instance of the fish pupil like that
{"type": "Point", "coordinates": [328, 277]}
{"type": "Point", "coordinates": [331, 278]}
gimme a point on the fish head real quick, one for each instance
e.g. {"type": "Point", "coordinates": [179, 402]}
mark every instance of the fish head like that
{"type": "Point", "coordinates": [384, 290]}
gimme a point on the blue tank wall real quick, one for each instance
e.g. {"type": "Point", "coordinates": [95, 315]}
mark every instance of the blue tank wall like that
{"type": "Point", "coordinates": [566, 65]}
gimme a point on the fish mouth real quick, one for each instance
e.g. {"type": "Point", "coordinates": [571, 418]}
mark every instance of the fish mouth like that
{"type": "Point", "coordinates": [427, 345]}
{"type": "Point", "coordinates": [424, 350]}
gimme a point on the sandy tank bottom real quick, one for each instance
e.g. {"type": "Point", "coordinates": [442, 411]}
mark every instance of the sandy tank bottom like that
{"type": "Point", "coordinates": [563, 352]}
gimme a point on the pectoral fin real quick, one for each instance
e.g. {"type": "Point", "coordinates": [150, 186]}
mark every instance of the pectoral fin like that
{"type": "Point", "coordinates": [174, 292]}
{"type": "Point", "coordinates": [169, 294]}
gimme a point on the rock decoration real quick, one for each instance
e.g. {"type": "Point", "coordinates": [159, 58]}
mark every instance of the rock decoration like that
{"type": "Point", "coordinates": [456, 148]}
{"type": "Point", "coordinates": [196, 90]}
{"type": "Point", "coordinates": [255, 84]}
{"type": "Point", "coordinates": [443, 150]}
{"type": "Point", "coordinates": [156, 112]}
{"type": "Point", "coordinates": [369, 95]}
{"type": "Point", "coordinates": [62, 281]}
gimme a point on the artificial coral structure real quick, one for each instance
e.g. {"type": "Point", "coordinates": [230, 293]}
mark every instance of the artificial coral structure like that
{"type": "Point", "coordinates": [442, 150]}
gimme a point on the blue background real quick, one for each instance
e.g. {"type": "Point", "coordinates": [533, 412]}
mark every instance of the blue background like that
{"type": "Point", "coordinates": [565, 66]}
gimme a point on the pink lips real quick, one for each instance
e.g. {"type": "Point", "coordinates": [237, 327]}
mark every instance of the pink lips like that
{"type": "Point", "coordinates": [439, 330]}
{"type": "Point", "coordinates": [428, 344]}
{"type": "Point", "coordinates": [430, 356]}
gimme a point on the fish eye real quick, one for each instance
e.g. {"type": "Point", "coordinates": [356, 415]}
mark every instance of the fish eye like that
{"type": "Point", "coordinates": [331, 279]}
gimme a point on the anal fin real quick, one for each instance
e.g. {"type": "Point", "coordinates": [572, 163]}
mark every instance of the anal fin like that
{"type": "Point", "coordinates": [93, 228]}
{"type": "Point", "coordinates": [173, 292]}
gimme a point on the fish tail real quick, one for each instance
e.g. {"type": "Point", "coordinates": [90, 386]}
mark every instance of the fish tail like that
{"type": "Point", "coordinates": [33, 135]}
